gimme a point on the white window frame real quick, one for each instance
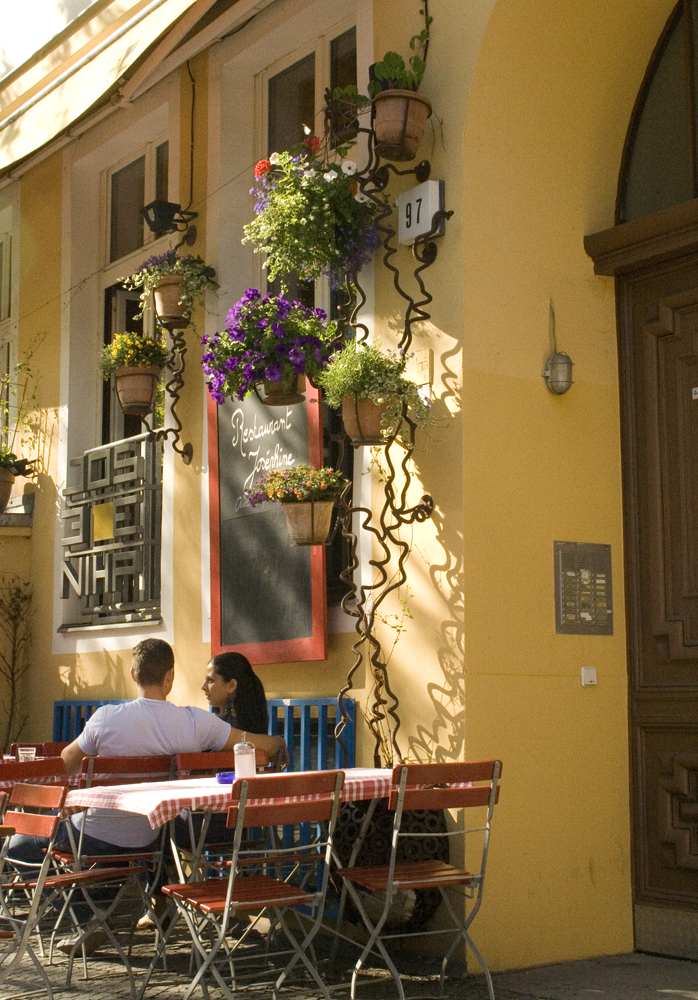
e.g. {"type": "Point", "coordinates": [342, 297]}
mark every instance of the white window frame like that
{"type": "Point", "coordinates": [149, 152]}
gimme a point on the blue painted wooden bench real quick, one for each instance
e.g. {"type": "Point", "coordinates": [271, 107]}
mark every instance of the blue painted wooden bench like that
{"type": "Point", "coordinates": [307, 725]}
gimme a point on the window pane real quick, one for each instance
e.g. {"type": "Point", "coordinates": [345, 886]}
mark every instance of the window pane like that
{"type": "Point", "coordinates": [343, 74]}
{"type": "Point", "coordinates": [127, 200]}
{"type": "Point", "coordinates": [291, 104]}
{"type": "Point", "coordinates": [658, 169]}
{"type": "Point", "coordinates": [162, 161]}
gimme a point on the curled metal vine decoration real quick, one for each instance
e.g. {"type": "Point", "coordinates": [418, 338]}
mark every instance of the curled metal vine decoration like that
{"type": "Point", "coordinates": [362, 602]}
{"type": "Point", "coordinates": [175, 364]}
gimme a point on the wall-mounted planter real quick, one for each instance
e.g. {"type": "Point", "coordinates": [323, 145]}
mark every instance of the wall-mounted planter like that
{"type": "Point", "coordinates": [7, 481]}
{"type": "Point", "coordinates": [136, 389]}
{"type": "Point", "coordinates": [170, 311]}
{"type": "Point", "coordinates": [399, 123]}
{"type": "Point", "coordinates": [283, 393]}
{"type": "Point", "coordinates": [308, 523]}
{"type": "Point", "coordinates": [362, 420]}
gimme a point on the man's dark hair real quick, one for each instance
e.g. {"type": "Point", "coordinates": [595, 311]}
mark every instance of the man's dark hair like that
{"type": "Point", "coordinates": [151, 659]}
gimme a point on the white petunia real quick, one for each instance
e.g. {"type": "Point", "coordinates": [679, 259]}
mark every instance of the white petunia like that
{"type": "Point", "coordinates": [349, 167]}
{"type": "Point", "coordinates": [360, 196]}
{"type": "Point", "coordinates": [329, 176]}
{"type": "Point", "coordinates": [309, 174]}
{"type": "Point", "coordinates": [274, 158]}
{"type": "Point", "coordinates": [306, 130]}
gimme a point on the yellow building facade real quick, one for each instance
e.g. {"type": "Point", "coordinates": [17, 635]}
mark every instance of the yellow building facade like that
{"type": "Point", "coordinates": [532, 105]}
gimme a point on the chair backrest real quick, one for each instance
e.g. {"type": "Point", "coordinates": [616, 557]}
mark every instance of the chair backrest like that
{"type": "Point", "coordinates": [445, 786]}
{"type": "Point", "coordinates": [53, 749]}
{"type": "Point", "coordinates": [14, 748]}
{"type": "Point", "coordinates": [214, 761]}
{"type": "Point", "coordinates": [52, 769]}
{"type": "Point", "coordinates": [41, 798]}
{"type": "Point", "coordinates": [276, 799]}
{"type": "Point", "coordinates": [124, 770]}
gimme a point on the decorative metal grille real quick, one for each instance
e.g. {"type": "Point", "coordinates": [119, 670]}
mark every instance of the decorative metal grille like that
{"type": "Point", "coordinates": [111, 538]}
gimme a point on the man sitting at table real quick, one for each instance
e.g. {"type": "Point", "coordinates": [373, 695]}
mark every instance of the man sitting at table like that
{"type": "Point", "coordinates": [148, 725]}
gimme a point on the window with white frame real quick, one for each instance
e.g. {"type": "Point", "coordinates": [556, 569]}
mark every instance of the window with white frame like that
{"type": "Point", "coordinates": [132, 184]}
{"type": "Point", "coordinates": [293, 96]}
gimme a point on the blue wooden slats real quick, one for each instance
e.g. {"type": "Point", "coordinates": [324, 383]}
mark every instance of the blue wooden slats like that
{"type": "Point", "coordinates": [307, 725]}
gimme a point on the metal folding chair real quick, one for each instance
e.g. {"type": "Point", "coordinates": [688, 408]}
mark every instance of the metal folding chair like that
{"type": "Point", "coordinates": [121, 872]}
{"type": "Point", "coordinates": [33, 810]}
{"type": "Point", "coordinates": [429, 786]}
{"type": "Point", "coordinates": [268, 882]}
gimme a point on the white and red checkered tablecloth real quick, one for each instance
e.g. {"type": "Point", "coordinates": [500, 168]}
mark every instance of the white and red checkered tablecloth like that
{"type": "Point", "coordinates": [161, 801]}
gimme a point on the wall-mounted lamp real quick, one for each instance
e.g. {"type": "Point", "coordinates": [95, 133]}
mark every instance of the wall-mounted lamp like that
{"type": "Point", "coordinates": [164, 217]}
{"type": "Point", "coordinates": [558, 372]}
{"type": "Point", "coordinates": [558, 367]}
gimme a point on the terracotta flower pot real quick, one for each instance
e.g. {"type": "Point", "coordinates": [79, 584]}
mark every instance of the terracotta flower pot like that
{"type": "Point", "coordinates": [7, 480]}
{"type": "Point", "coordinates": [169, 309]}
{"type": "Point", "coordinates": [362, 420]}
{"type": "Point", "coordinates": [400, 119]}
{"type": "Point", "coordinates": [136, 389]}
{"type": "Point", "coordinates": [308, 522]}
{"type": "Point", "coordinates": [283, 393]}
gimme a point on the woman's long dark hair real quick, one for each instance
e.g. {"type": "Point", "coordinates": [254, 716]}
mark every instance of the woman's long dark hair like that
{"type": "Point", "coordinates": [249, 703]}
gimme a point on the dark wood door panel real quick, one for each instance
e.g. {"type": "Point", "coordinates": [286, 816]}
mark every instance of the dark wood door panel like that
{"type": "Point", "coordinates": [668, 814]}
{"type": "Point", "coordinates": [658, 345]}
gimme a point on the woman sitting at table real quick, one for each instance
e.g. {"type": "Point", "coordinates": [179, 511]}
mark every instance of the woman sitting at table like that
{"type": "Point", "coordinates": [232, 686]}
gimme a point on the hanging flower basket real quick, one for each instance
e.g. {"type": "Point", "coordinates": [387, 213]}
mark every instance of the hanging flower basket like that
{"type": "Point", "coordinates": [136, 389]}
{"type": "Point", "coordinates": [308, 523]}
{"type": "Point", "coordinates": [271, 340]}
{"type": "Point", "coordinates": [307, 496]}
{"type": "Point", "coordinates": [170, 311]}
{"type": "Point", "coordinates": [283, 393]}
{"type": "Point", "coordinates": [399, 124]}
{"type": "Point", "coordinates": [362, 420]}
{"type": "Point", "coordinates": [7, 480]}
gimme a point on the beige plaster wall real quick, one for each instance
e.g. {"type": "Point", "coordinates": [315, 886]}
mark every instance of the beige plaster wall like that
{"type": "Point", "coordinates": [548, 111]}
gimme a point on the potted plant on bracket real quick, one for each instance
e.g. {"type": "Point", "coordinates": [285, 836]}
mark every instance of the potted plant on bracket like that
{"type": "Point", "coordinates": [310, 218]}
{"type": "Point", "coordinates": [177, 283]}
{"type": "Point", "coordinates": [369, 387]}
{"type": "Point", "coordinates": [17, 401]}
{"type": "Point", "coordinates": [400, 112]}
{"type": "Point", "coordinates": [136, 362]}
{"type": "Point", "coordinates": [270, 340]}
{"type": "Point", "coordinates": [307, 496]}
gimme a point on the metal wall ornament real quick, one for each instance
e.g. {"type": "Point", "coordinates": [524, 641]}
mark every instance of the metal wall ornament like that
{"type": "Point", "coordinates": [363, 602]}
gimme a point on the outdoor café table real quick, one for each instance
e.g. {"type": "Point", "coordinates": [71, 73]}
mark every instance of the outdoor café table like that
{"type": "Point", "coordinates": [163, 801]}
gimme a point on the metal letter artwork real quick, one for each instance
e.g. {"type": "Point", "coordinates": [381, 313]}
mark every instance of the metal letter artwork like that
{"type": "Point", "coordinates": [111, 538]}
{"type": "Point", "coordinates": [678, 810]}
{"type": "Point", "coordinates": [362, 602]}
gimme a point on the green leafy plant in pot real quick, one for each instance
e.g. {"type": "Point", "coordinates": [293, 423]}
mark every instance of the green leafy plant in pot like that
{"type": "Point", "coordinates": [137, 363]}
{"type": "Point", "coordinates": [17, 402]}
{"type": "Point", "coordinates": [177, 283]}
{"type": "Point", "coordinates": [307, 496]}
{"type": "Point", "coordinates": [400, 112]}
{"type": "Point", "coordinates": [369, 387]}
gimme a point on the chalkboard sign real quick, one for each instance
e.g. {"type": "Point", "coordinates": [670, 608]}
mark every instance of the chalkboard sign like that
{"type": "Point", "coordinates": [267, 596]}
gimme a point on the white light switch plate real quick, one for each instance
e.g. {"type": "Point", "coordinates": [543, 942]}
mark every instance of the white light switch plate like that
{"type": "Point", "coordinates": [588, 676]}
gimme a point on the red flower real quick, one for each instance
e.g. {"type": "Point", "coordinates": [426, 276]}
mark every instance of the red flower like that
{"type": "Point", "coordinates": [262, 168]}
{"type": "Point", "coordinates": [312, 142]}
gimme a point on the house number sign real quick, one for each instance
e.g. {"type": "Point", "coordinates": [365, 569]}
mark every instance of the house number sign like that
{"type": "Point", "coordinates": [417, 208]}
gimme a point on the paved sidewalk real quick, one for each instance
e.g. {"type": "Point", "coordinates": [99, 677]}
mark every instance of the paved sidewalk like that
{"type": "Point", "coordinates": [618, 977]}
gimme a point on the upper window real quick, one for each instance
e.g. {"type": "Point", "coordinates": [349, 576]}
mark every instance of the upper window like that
{"type": "Point", "coordinates": [661, 154]}
{"type": "Point", "coordinates": [132, 185]}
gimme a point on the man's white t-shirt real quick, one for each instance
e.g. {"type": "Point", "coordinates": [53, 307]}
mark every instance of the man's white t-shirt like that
{"type": "Point", "coordinates": [141, 728]}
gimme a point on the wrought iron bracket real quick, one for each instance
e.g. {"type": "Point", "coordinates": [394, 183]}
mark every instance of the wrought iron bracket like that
{"type": "Point", "coordinates": [176, 365]}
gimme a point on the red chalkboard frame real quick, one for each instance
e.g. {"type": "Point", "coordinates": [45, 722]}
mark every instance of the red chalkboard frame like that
{"type": "Point", "coordinates": [313, 647]}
